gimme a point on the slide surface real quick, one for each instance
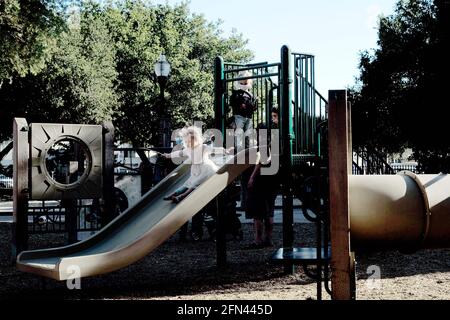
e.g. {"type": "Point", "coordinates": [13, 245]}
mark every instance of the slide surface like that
{"type": "Point", "coordinates": [139, 230]}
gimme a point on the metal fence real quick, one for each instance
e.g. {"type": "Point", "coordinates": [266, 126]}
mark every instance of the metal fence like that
{"type": "Point", "coordinates": [367, 161]}
{"type": "Point", "coordinates": [50, 217]}
{"type": "Point", "coordinates": [126, 161]}
{"type": "Point", "coordinates": [6, 182]}
{"type": "Point", "coordinates": [398, 167]}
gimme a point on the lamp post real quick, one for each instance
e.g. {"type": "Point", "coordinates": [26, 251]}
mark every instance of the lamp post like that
{"type": "Point", "coordinates": [162, 72]}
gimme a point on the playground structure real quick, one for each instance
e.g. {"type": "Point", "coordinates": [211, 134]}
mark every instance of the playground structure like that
{"type": "Point", "coordinates": [404, 211]}
{"type": "Point", "coordinates": [67, 163]}
{"type": "Point", "coordinates": [302, 134]}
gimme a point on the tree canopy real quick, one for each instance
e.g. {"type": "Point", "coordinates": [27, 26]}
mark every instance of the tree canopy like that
{"type": "Point", "coordinates": [400, 99]}
{"type": "Point", "coordinates": [27, 29]}
{"type": "Point", "coordinates": [100, 67]}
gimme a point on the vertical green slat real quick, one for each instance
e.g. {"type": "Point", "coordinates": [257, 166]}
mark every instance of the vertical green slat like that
{"type": "Point", "coordinates": [305, 104]}
{"type": "Point", "coordinates": [297, 120]}
{"type": "Point", "coordinates": [256, 93]}
{"type": "Point", "coordinates": [302, 106]}
{"type": "Point", "coordinates": [266, 102]}
{"type": "Point", "coordinates": [308, 101]}
{"type": "Point", "coordinates": [260, 97]}
{"type": "Point", "coordinates": [285, 110]}
{"type": "Point", "coordinates": [313, 97]}
{"type": "Point", "coordinates": [313, 107]}
{"type": "Point", "coordinates": [296, 106]}
{"type": "Point", "coordinates": [219, 105]}
{"type": "Point", "coordinates": [311, 110]}
{"type": "Point", "coordinates": [306, 81]}
{"type": "Point", "coordinates": [286, 152]}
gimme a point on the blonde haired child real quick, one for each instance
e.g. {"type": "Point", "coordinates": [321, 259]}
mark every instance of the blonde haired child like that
{"type": "Point", "coordinates": [202, 167]}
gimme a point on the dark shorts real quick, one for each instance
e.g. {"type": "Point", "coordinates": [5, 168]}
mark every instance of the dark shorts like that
{"type": "Point", "coordinates": [260, 202]}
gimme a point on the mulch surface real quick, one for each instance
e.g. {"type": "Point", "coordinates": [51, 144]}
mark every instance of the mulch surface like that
{"type": "Point", "coordinates": [187, 270]}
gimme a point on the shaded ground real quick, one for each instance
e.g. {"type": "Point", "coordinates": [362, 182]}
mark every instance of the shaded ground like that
{"type": "Point", "coordinates": [187, 271]}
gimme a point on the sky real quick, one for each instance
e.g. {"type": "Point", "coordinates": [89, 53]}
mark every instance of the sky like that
{"type": "Point", "coordinates": [334, 31]}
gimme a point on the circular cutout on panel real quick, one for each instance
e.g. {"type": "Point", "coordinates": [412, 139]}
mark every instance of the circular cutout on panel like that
{"type": "Point", "coordinates": [68, 162]}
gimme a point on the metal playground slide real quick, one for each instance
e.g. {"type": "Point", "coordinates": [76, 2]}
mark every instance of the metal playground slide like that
{"type": "Point", "coordinates": [139, 230]}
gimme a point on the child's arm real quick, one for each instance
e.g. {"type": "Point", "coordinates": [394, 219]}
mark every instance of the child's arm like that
{"type": "Point", "coordinates": [176, 154]}
{"type": "Point", "coordinates": [220, 150]}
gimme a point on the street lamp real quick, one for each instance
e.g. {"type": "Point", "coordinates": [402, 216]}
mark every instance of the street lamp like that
{"type": "Point", "coordinates": [162, 72]}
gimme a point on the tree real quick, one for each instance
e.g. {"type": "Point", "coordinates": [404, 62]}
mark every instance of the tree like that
{"type": "Point", "coordinates": [400, 97]}
{"type": "Point", "coordinates": [141, 33]}
{"type": "Point", "coordinates": [101, 68]}
{"type": "Point", "coordinates": [27, 28]}
{"type": "Point", "coordinates": [77, 84]}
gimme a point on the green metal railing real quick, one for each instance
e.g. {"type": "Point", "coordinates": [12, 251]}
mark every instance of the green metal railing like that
{"type": "Point", "coordinates": [310, 107]}
{"type": "Point", "coordinates": [264, 88]}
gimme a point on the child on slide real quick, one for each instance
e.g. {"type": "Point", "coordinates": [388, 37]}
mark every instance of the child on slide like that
{"type": "Point", "coordinates": [202, 167]}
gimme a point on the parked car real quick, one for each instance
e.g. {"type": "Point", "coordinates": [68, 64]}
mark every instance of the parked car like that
{"type": "Point", "coordinates": [5, 182]}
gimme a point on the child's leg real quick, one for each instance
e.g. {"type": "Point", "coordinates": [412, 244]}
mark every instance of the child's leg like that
{"type": "Point", "coordinates": [183, 195]}
{"type": "Point", "coordinates": [180, 191]}
{"type": "Point", "coordinates": [197, 226]}
{"type": "Point", "coordinates": [249, 133]}
{"type": "Point", "coordinates": [258, 227]}
{"type": "Point", "coordinates": [169, 196]}
{"type": "Point", "coordinates": [268, 225]}
{"type": "Point", "coordinates": [239, 136]}
{"type": "Point", "coordinates": [183, 231]}
{"type": "Point", "coordinates": [176, 193]}
{"type": "Point", "coordinates": [268, 220]}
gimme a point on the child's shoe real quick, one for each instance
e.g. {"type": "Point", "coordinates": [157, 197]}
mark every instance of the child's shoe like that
{"type": "Point", "coordinates": [168, 198]}
{"type": "Point", "coordinates": [176, 199]}
{"type": "Point", "coordinates": [195, 236]}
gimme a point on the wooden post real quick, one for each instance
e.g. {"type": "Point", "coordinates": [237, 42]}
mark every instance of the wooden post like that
{"type": "Point", "coordinates": [338, 131]}
{"type": "Point", "coordinates": [109, 197]}
{"type": "Point", "coordinates": [350, 172]}
{"type": "Point", "coordinates": [20, 186]}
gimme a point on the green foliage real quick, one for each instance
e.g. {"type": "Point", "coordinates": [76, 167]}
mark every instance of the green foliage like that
{"type": "Point", "coordinates": [141, 33]}
{"type": "Point", "coordinates": [77, 85]}
{"type": "Point", "coordinates": [400, 99]}
{"type": "Point", "coordinates": [27, 28]}
{"type": "Point", "coordinates": [101, 67]}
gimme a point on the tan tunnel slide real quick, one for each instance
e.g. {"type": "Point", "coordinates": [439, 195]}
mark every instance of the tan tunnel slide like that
{"type": "Point", "coordinates": [139, 230]}
{"type": "Point", "coordinates": [404, 211]}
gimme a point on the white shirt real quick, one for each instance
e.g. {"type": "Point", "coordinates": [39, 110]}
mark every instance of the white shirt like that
{"type": "Point", "coordinates": [202, 167]}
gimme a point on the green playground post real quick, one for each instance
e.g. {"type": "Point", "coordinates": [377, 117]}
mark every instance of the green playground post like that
{"type": "Point", "coordinates": [219, 90]}
{"type": "Point", "coordinates": [221, 246]}
{"type": "Point", "coordinates": [287, 135]}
